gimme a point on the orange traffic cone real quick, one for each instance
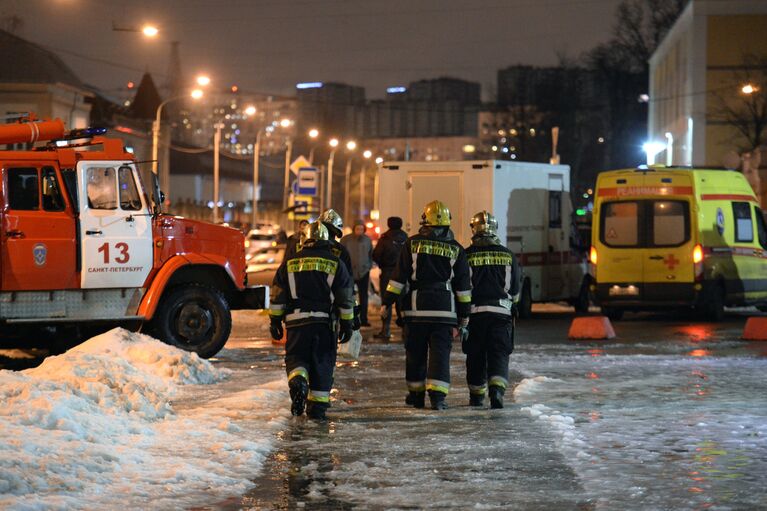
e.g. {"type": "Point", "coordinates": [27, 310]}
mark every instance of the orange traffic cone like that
{"type": "Point", "coordinates": [756, 329]}
{"type": "Point", "coordinates": [591, 327]}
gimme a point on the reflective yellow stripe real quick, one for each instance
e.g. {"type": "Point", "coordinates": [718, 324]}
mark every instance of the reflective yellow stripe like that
{"type": "Point", "coordinates": [393, 289]}
{"type": "Point", "coordinates": [347, 315]}
{"type": "Point", "coordinates": [439, 388]}
{"type": "Point", "coordinates": [431, 247]}
{"type": "Point", "coordinates": [463, 296]}
{"type": "Point", "coordinates": [298, 371]}
{"type": "Point", "coordinates": [490, 259]}
{"type": "Point", "coordinates": [312, 264]}
{"type": "Point", "coordinates": [319, 397]}
{"type": "Point", "coordinates": [276, 312]}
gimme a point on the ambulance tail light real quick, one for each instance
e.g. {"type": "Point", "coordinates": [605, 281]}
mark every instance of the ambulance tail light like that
{"type": "Point", "coordinates": [593, 256]}
{"type": "Point", "coordinates": [697, 254]}
{"type": "Point", "coordinates": [697, 259]}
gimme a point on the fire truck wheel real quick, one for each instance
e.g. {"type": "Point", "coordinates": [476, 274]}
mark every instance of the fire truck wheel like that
{"type": "Point", "coordinates": [194, 318]}
{"type": "Point", "coordinates": [526, 300]}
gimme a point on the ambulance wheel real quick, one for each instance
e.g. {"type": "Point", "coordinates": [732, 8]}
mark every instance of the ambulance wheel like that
{"type": "Point", "coordinates": [612, 313]}
{"type": "Point", "coordinates": [525, 306]}
{"type": "Point", "coordinates": [194, 318]}
{"type": "Point", "coordinates": [711, 305]}
{"type": "Point", "coordinates": [583, 300]}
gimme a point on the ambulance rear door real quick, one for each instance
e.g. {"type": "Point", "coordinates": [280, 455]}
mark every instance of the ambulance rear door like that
{"type": "Point", "coordinates": [115, 226]}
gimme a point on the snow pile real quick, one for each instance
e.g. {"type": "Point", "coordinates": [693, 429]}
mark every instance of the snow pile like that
{"type": "Point", "coordinates": [530, 386]}
{"type": "Point", "coordinates": [96, 426]}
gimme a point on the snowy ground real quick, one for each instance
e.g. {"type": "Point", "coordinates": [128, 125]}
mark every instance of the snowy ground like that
{"type": "Point", "coordinates": [672, 414]}
{"type": "Point", "coordinates": [126, 421]}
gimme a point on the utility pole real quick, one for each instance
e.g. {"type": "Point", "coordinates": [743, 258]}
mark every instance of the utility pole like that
{"type": "Point", "coordinates": [216, 150]}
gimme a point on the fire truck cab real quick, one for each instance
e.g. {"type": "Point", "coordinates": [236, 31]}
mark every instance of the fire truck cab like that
{"type": "Point", "coordinates": [82, 242]}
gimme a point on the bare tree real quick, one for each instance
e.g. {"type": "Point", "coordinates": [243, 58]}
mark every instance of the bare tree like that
{"type": "Point", "coordinates": [742, 104]}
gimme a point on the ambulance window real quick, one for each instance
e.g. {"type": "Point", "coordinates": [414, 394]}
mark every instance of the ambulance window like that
{"type": "Point", "coordinates": [670, 223]}
{"type": "Point", "coordinates": [53, 200]}
{"type": "Point", "coordinates": [23, 189]}
{"type": "Point", "coordinates": [129, 197]}
{"type": "Point", "coordinates": [744, 227]}
{"type": "Point", "coordinates": [761, 229]}
{"type": "Point", "coordinates": [620, 224]}
{"type": "Point", "coordinates": [101, 188]}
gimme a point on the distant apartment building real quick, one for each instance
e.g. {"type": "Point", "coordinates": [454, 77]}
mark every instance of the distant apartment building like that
{"type": "Point", "coordinates": [333, 108]}
{"type": "Point", "coordinates": [699, 67]}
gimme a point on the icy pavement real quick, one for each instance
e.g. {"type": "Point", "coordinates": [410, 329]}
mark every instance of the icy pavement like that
{"type": "Point", "coordinates": [124, 421]}
{"type": "Point", "coordinates": [671, 415]}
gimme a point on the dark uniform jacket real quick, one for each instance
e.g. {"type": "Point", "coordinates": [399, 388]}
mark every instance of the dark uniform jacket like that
{"type": "Point", "coordinates": [292, 245]}
{"type": "Point", "coordinates": [311, 285]}
{"type": "Point", "coordinates": [433, 275]}
{"type": "Point", "coordinates": [342, 253]}
{"type": "Point", "coordinates": [386, 253]}
{"type": "Point", "coordinates": [494, 276]}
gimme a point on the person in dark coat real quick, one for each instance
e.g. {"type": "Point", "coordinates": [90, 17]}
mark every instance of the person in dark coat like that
{"type": "Point", "coordinates": [386, 255]}
{"type": "Point", "coordinates": [293, 244]}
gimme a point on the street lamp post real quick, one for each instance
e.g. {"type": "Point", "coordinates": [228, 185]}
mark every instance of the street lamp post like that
{"type": "Point", "coordinates": [216, 144]}
{"type": "Point", "coordinates": [367, 155]}
{"type": "Point", "coordinates": [196, 94]}
{"type": "Point", "coordinates": [313, 134]}
{"type": "Point", "coordinates": [329, 192]}
{"type": "Point", "coordinates": [256, 163]}
{"type": "Point", "coordinates": [351, 146]}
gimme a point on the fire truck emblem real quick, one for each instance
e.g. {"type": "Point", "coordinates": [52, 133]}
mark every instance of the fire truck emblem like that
{"type": "Point", "coordinates": [40, 253]}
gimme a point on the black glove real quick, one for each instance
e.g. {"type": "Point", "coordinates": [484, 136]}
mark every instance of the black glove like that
{"type": "Point", "coordinates": [275, 328]}
{"type": "Point", "coordinates": [357, 323]}
{"type": "Point", "coordinates": [346, 331]}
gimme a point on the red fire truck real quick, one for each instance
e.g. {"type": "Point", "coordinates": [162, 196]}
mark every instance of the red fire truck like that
{"type": "Point", "coordinates": [83, 242]}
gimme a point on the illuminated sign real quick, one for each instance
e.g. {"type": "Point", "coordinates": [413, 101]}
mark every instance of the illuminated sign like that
{"type": "Point", "coordinates": [396, 90]}
{"type": "Point", "coordinates": [309, 85]}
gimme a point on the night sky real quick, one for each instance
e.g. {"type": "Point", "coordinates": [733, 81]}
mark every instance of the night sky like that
{"type": "Point", "coordinates": [269, 45]}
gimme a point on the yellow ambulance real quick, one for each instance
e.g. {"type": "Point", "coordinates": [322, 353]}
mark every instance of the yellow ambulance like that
{"type": "Point", "coordinates": [665, 237]}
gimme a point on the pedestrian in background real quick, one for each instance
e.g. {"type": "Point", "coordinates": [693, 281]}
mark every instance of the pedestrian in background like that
{"type": "Point", "coordinates": [293, 244]}
{"type": "Point", "coordinates": [360, 249]}
{"type": "Point", "coordinates": [386, 255]}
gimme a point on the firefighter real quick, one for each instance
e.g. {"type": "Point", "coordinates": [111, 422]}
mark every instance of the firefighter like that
{"type": "Point", "coordinates": [309, 290]}
{"type": "Point", "coordinates": [335, 226]}
{"type": "Point", "coordinates": [495, 284]}
{"type": "Point", "coordinates": [293, 244]}
{"type": "Point", "coordinates": [433, 275]}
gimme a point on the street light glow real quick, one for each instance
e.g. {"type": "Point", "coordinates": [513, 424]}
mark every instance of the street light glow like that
{"type": "Point", "coordinates": [351, 145]}
{"type": "Point", "coordinates": [379, 160]}
{"type": "Point", "coordinates": [251, 110]}
{"type": "Point", "coordinates": [748, 89]}
{"type": "Point", "coordinates": [150, 30]}
{"type": "Point", "coordinates": [333, 142]}
{"type": "Point", "coordinates": [197, 93]}
{"type": "Point", "coordinates": [285, 123]}
{"type": "Point", "coordinates": [368, 153]}
{"type": "Point", "coordinates": [314, 133]}
{"type": "Point", "coordinates": [203, 80]}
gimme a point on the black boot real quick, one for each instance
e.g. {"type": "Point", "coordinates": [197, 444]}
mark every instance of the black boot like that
{"type": "Point", "coordinates": [316, 411]}
{"type": "Point", "coordinates": [416, 399]}
{"type": "Point", "coordinates": [299, 389]}
{"type": "Point", "coordinates": [385, 336]}
{"type": "Point", "coordinates": [476, 399]}
{"type": "Point", "coordinates": [496, 396]}
{"type": "Point", "coordinates": [437, 399]}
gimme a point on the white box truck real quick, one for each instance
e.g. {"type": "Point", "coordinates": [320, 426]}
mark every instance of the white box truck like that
{"type": "Point", "coordinates": [531, 202]}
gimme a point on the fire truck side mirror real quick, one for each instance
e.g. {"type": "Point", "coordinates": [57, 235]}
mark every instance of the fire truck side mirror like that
{"type": "Point", "coordinates": [158, 197]}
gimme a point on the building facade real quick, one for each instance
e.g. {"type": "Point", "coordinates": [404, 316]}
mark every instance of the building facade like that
{"type": "Point", "coordinates": [697, 71]}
